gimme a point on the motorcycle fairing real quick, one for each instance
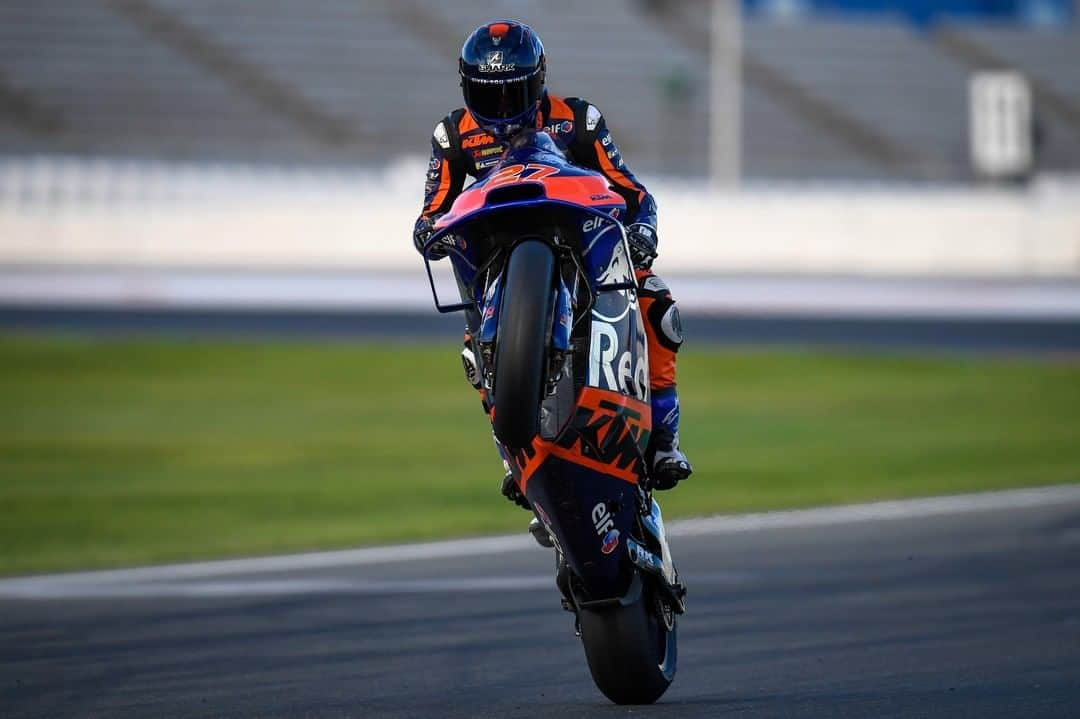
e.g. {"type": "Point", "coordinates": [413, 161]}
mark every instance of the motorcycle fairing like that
{"type": "Point", "coordinates": [531, 168]}
{"type": "Point", "coordinates": [618, 355]}
{"type": "Point", "coordinates": [607, 433]}
{"type": "Point", "coordinates": [574, 189]}
{"type": "Point", "coordinates": [590, 517]}
{"type": "Point", "coordinates": [598, 456]}
{"type": "Point", "coordinates": [589, 452]}
{"type": "Point", "coordinates": [534, 178]}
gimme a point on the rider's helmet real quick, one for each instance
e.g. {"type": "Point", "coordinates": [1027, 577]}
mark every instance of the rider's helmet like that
{"type": "Point", "coordinates": [502, 77]}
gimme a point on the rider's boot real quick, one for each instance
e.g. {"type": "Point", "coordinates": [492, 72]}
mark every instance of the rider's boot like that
{"type": "Point", "coordinates": [510, 488]}
{"type": "Point", "coordinates": [667, 464]}
{"type": "Point", "coordinates": [511, 491]}
{"type": "Point", "coordinates": [471, 366]}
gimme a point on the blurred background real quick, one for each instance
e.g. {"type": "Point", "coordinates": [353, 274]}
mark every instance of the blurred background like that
{"type": "Point", "coordinates": [210, 133]}
{"type": "Point", "coordinates": [835, 177]}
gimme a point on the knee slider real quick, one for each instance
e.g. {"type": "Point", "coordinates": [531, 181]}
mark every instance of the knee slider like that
{"type": "Point", "coordinates": [670, 327]}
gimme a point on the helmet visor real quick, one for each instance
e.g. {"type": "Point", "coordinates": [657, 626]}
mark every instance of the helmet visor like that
{"type": "Point", "coordinates": [502, 99]}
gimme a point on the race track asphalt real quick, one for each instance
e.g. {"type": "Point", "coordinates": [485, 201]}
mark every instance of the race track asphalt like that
{"type": "Point", "coordinates": [972, 614]}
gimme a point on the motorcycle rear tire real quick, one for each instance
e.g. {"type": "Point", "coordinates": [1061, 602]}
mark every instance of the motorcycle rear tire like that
{"type": "Point", "coordinates": [521, 350]}
{"type": "Point", "coordinates": [630, 653]}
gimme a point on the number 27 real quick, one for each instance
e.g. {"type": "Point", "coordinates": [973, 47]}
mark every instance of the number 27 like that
{"type": "Point", "coordinates": [521, 173]}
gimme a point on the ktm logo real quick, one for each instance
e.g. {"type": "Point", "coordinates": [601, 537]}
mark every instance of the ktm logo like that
{"type": "Point", "coordinates": [477, 141]}
{"type": "Point", "coordinates": [611, 434]}
{"type": "Point", "coordinates": [608, 433]}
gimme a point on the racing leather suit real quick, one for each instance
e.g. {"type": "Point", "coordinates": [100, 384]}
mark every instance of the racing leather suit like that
{"type": "Point", "coordinates": [460, 147]}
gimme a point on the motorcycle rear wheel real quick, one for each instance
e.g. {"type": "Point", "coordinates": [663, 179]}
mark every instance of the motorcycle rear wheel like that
{"type": "Point", "coordinates": [631, 654]}
{"type": "Point", "coordinates": [522, 343]}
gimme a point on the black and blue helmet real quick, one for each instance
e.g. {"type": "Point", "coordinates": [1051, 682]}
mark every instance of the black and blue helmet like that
{"type": "Point", "coordinates": [502, 76]}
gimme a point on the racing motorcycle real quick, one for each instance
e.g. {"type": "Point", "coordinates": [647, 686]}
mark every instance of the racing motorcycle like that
{"type": "Point", "coordinates": [546, 281]}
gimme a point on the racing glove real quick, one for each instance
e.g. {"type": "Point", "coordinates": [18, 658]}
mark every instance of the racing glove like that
{"type": "Point", "coordinates": [642, 240]}
{"type": "Point", "coordinates": [423, 231]}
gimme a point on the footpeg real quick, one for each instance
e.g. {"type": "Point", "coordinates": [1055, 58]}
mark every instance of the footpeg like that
{"type": "Point", "coordinates": [540, 534]}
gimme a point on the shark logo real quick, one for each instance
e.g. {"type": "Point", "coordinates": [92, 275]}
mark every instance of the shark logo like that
{"type": "Point", "coordinates": [494, 63]}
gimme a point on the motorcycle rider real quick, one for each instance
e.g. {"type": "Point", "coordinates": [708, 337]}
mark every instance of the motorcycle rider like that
{"type": "Point", "coordinates": [502, 68]}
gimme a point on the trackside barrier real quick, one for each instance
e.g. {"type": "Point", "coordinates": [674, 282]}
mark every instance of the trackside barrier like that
{"type": "Point", "coordinates": [60, 211]}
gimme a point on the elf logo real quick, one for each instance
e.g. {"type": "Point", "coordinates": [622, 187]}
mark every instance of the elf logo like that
{"type": "Point", "coordinates": [594, 223]}
{"type": "Point", "coordinates": [601, 519]}
{"type": "Point", "coordinates": [605, 527]}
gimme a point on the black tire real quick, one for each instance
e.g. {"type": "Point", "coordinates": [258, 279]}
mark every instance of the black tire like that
{"type": "Point", "coordinates": [631, 654]}
{"type": "Point", "coordinates": [522, 342]}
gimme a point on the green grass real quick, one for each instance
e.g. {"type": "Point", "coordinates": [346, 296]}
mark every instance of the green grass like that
{"type": "Point", "coordinates": [116, 453]}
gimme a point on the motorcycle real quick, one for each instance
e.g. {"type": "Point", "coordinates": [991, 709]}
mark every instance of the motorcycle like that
{"type": "Point", "coordinates": [546, 281]}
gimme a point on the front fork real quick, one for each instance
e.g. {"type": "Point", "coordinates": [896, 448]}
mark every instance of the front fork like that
{"type": "Point", "coordinates": [561, 329]}
{"type": "Point", "coordinates": [653, 556]}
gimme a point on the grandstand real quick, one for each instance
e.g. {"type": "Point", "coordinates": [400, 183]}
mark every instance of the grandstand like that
{"type": "Point", "coordinates": [340, 82]}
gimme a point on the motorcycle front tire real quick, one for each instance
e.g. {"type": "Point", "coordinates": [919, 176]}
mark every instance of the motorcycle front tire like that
{"type": "Point", "coordinates": [521, 349]}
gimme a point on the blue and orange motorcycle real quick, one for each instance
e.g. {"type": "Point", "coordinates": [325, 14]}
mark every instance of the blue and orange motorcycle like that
{"type": "Point", "coordinates": [546, 281]}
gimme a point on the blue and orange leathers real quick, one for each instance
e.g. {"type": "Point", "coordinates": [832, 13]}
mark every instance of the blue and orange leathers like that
{"type": "Point", "coordinates": [461, 148]}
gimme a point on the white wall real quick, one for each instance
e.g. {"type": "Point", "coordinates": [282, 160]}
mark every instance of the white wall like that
{"type": "Point", "coordinates": [102, 213]}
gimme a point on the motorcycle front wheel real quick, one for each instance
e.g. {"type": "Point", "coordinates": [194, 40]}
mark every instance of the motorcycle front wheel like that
{"type": "Point", "coordinates": [521, 345]}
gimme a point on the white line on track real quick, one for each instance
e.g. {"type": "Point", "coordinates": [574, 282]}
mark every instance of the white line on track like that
{"type": "Point", "coordinates": [879, 511]}
{"type": "Point", "coordinates": [191, 579]}
{"type": "Point", "coordinates": [216, 588]}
